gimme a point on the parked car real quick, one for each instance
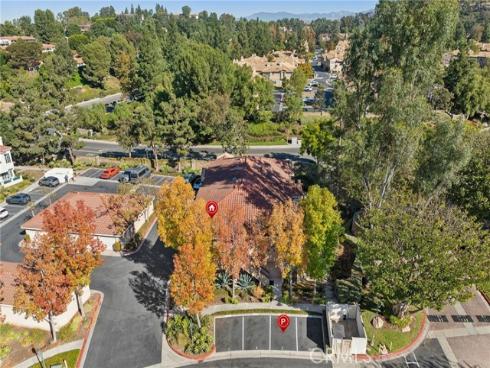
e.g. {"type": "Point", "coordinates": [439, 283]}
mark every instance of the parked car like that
{"type": "Point", "coordinates": [3, 213]}
{"type": "Point", "coordinates": [19, 198]}
{"type": "Point", "coordinates": [308, 89]}
{"type": "Point", "coordinates": [49, 181]}
{"type": "Point", "coordinates": [135, 174]}
{"type": "Point", "coordinates": [109, 173]}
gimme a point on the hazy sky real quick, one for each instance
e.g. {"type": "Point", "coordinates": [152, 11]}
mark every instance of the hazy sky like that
{"type": "Point", "coordinates": [13, 9]}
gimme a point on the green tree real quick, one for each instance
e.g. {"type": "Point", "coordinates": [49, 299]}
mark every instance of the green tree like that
{"type": "Point", "coordinates": [443, 153]}
{"type": "Point", "coordinates": [472, 191]}
{"type": "Point", "coordinates": [465, 81]}
{"type": "Point", "coordinates": [294, 94]}
{"type": "Point", "coordinates": [150, 67]}
{"type": "Point", "coordinates": [47, 28]}
{"type": "Point", "coordinates": [78, 41]}
{"type": "Point", "coordinates": [97, 62]}
{"type": "Point", "coordinates": [123, 57]}
{"type": "Point", "coordinates": [24, 54]}
{"type": "Point", "coordinates": [423, 256]}
{"type": "Point", "coordinates": [322, 227]}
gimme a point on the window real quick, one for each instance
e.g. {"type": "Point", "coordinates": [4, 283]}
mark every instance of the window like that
{"type": "Point", "coordinates": [8, 159]}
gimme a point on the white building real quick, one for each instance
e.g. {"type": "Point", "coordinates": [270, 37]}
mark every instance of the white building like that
{"type": "Point", "coordinates": [345, 327]}
{"type": "Point", "coordinates": [7, 173]}
{"type": "Point", "coordinates": [8, 272]}
{"type": "Point", "coordinates": [105, 230]}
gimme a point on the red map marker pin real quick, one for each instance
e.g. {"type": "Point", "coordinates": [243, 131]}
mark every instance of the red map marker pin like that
{"type": "Point", "coordinates": [283, 322]}
{"type": "Point", "coordinates": [211, 208]}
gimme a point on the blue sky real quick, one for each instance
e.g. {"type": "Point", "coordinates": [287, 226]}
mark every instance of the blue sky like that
{"type": "Point", "coordinates": [13, 9]}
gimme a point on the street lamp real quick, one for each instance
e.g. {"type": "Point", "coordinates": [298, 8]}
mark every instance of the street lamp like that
{"type": "Point", "coordinates": [39, 356]}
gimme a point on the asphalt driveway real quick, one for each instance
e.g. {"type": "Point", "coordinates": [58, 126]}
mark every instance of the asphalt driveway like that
{"type": "Point", "coordinates": [128, 332]}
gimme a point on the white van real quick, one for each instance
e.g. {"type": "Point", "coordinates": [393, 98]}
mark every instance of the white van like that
{"type": "Point", "coordinates": [64, 175]}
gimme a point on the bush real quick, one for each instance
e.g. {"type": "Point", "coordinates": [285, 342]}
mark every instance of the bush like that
{"type": "Point", "coordinates": [200, 342]}
{"type": "Point", "coordinates": [223, 280]}
{"type": "Point", "coordinates": [245, 282]}
{"type": "Point", "coordinates": [4, 351]}
{"type": "Point", "coordinates": [260, 130]}
{"type": "Point", "coordinates": [258, 292]}
{"type": "Point", "coordinates": [231, 300]}
{"type": "Point", "coordinates": [117, 246]}
{"type": "Point", "coordinates": [400, 322]}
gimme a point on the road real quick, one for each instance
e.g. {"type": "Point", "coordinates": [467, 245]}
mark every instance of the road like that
{"type": "Point", "coordinates": [101, 148]}
{"type": "Point", "coordinates": [96, 101]}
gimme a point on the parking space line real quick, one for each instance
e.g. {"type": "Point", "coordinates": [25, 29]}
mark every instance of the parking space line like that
{"type": "Point", "coordinates": [270, 329]}
{"type": "Point", "coordinates": [243, 333]}
{"type": "Point", "coordinates": [296, 323]}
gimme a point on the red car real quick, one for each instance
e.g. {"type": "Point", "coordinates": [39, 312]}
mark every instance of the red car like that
{"type": "Point", "coordinates": [109, 173]}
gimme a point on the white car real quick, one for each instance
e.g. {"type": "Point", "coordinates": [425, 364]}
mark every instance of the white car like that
{"type": "Point", "coordinates": [3, 213]}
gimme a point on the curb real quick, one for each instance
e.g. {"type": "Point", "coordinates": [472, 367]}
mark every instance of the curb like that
{"type": "Point", "coordinates": [126, 254]}
{"type": "Point", "coordinates": [88, 338]}
{"type": "Point", "coordinates": [403, 351]}
{"type": "Point", "coordinates": [199, 357]}
{"type": "Point", "coordinates": [73, 345]}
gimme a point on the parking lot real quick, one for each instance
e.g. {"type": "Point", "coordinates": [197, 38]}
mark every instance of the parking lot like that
{"type": "Point", "coordinates": [260, 332]}
{"type": "Point", "coordinates": [154, 179]}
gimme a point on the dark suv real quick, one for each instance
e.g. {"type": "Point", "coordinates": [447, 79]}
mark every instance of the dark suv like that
{"type": "Point", "coordinates": [19, 198]}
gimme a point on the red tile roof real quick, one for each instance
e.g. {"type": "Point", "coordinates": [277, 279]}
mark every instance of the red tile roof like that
{"type": "Point", "coordinates": [103, 223]}
{"type": "Point", "coordinates": [8, 273]}
{"type": "Point", "coordinates": [4, 149]}
{"type": "Point", "coordinates": [253, 183]}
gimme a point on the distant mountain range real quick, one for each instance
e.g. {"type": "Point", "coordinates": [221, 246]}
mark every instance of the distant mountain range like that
{"type": "Point", "coordinates": [307, 17]}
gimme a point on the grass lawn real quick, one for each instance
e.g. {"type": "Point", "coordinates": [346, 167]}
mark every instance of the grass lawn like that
{"type": "Point", "coordinates": [70, 357]}
{"type": "Point", "coordinates": [5, 192]}
{"type": "Point", "coordinates": [484, 287]}
{"type": "Point", "coordinates": [260, 311]}
{"type": "Point", "coordinates": [310, 116]}
{"type": "Point", "coordinates": [389, 335]}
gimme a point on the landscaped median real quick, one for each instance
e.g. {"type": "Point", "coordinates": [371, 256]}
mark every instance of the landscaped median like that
{"type": "Point", "coordinates": [17, 342]}
{"type": "Point", "coordinates": [390, 341]}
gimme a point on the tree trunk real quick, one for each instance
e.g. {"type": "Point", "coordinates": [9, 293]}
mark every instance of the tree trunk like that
{"type": "Point", "coordinates": [198, 320]}
{"type": "Point", "coordinates": [71, 156]}
{"type": "Point", "coordinates": [314, 291]}
{"type": "Point", "coordinates": [79, 303]}
{"type": "Point", "coordinates": [400, 309]}
{"type": "Point", "coordinates": [129, 151]}
{"type": "Point", "coordinates": [233, 282]}
{"type": "Point", "coordinates": [51, 327]}
{"type": "Point", "coordinates": [290, 286]}
{"type": "Point", "coordinates": [155, 158]}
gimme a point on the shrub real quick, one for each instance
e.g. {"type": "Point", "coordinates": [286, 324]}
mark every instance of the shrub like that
{"type": "Point", "coordinates": [27, 238]}
{"type": "Point", "coordinates": [245, 282]}
{"type": "Point", "coordinates": [4, 351]}
{"type": "Point", "coordinates": [223, 280]}
{"type": "Point", "coordinates": [400, 322]}
{"type": "Point", "coordinates": [117, 246]}
{"type": "Point", "coordinates": [231, 300]}
{"type": "Point", "coordinates": [258, 292]}
{"type": "Point", "coordinates": [200, 341]}
{"type": "Point", "coordinates": [263, 129]}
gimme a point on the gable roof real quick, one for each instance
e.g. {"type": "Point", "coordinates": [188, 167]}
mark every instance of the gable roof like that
{"type": "Point", "coordinates": [103, 223]}
{"type": "Point", "coordinates": [8, 273]}
{"type": "Point", "coordinates": [4, 149]}
{"type": "Point", "coordinates": [252, 183]}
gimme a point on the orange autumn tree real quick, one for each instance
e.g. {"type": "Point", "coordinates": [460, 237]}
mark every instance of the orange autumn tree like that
{"type": "Point", "coordinates": [125, 209]}
{"type": "Point", "coordinates": [285, 230]}
{"type": "Point", "coordinates": [43, 288]}
{"type": "Point", "coordinates": [231, 249]}
{"type": "Point", "coordinates": [192, 281]}
{"type": "Point", "coordinates": [259, 243]}
{"type": "Point", "coordinates": [181, 219]}
{"type": "Point", "coordinates": [72, 229]}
